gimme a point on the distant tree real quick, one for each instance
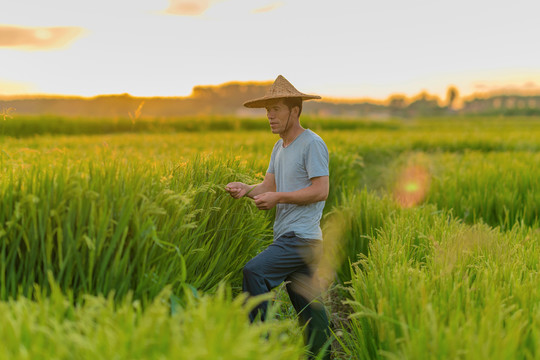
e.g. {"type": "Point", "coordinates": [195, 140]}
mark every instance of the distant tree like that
{"type": "Point", "coordinates": [397, 103]}
{"type": "Point", "coordinates": [203, 92]}
{"type": "Point", "coordinates": [424, 104]}
{"type": "Point", "coordinates": [451, 96]}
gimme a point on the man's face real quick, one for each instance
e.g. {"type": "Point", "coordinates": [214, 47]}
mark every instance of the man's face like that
{"type": "Point", "coordinates": [278, 114]}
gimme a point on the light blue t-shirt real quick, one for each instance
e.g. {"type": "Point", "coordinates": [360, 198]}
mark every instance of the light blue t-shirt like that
{"type": "Point", "coordinates": [293, 167]}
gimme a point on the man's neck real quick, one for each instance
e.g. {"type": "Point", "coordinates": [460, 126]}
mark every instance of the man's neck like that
{"type": "Point", "coordinates": [291, 134]}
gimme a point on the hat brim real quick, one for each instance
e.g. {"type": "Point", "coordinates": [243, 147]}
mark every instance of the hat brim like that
{"type": "Point", "coordinates": [265, 100]}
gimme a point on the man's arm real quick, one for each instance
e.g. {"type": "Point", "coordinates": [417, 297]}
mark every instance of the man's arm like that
{"type": "Point", "coordinates": [238, 189]}
{"type": "Point", "coordinates": [317, 191]}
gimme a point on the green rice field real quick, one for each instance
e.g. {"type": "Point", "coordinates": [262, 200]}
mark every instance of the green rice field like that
{"type": "Point", "coordinates": [119, 241]}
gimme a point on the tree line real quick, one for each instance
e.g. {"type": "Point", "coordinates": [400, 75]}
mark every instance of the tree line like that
{"type": "Point", "coordinates": [227, 99]}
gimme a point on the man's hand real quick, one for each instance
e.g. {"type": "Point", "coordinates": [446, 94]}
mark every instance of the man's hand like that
{"type": "Point", "coordinates": [237, 189]}
{"type": "Point", "coordinates": [267, 200]}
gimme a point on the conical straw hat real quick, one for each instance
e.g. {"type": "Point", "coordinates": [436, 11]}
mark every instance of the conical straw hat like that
{"type": "Point", "coordinates": [281, 88]}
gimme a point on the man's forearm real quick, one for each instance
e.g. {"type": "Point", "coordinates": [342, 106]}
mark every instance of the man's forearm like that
{"type": "Point", "coordinates": [317, 191]}
{"type": "Point", "coordinates": [257, 189]}
{"type": "Point", "coordinates": [309, 195]}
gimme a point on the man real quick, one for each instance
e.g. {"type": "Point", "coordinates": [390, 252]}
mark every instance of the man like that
{"type": "Point", "coordinates": [296, 183]}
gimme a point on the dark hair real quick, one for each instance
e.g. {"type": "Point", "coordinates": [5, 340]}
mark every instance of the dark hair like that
{"type": "Point", "coordinates": [292, 102]}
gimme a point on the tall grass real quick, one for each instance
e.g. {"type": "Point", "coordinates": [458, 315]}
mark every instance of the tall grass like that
{"type": "Point", "coordinates": [129, 214]}
{"type": "Point", "coordinates": [125, 226]}
{"type": "Point", "coordinates": [26, 125]}
{"type": "Point", "coordinates": [500, 189]}
{"type": "Point", "coordinates": [433, 287]}
{"type": "Point", "coordinates": [350, 227]}
{"type": "Point", "coordinates": [89, 190]}
{"type": "Point", "coordinates": [207, 327]}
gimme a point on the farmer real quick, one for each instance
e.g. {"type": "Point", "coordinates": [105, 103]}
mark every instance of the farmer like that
{"type": "Point", "coordinates": [296, 183]}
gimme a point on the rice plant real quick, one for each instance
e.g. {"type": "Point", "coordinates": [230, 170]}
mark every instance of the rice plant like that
{"type": "Point", "coordinates": [501, 189]}
{"type": "Point", "coordinates": [122, 226]}
{"type": "Point", "coordinates": [102, 215]}
{"type": "Point", "coordinates": [433, 287]}
{"type": "Point", "coordinates": [351, 226]}
{"type": "Point", "coordinates": [205, 327]}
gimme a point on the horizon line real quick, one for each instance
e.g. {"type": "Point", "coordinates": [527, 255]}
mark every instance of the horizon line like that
{"type": "Point", "coordinates": [509, 91]}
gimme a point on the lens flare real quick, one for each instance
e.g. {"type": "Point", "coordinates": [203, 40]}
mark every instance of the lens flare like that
{"type": "Point", "coordinates": [412, 186]}
{"type": "Point", "coordinates": [328, 261]}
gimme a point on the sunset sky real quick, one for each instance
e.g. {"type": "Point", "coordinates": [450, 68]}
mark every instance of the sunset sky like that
{"type": "Point", "coordinates": [338, 48]}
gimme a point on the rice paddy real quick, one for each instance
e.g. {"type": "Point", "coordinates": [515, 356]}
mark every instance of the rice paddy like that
{"type": "Point", "coordinates": [118, 240]}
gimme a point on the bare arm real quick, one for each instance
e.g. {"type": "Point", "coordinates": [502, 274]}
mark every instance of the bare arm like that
{"type": "Point", "coordinates": [238, 189]}
{"type": "Point", "coordinates": [317, 191]}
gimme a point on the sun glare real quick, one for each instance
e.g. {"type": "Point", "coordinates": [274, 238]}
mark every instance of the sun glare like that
{"type": "Point", "coordinates": [412, 186]}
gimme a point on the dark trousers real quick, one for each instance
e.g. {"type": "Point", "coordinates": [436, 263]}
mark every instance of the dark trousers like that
{"type": "Point", "coordinates": [291, 259]}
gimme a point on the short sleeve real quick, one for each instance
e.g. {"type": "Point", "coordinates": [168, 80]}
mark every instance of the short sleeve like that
{"type": "Point", "coordinates": [317, 159]}
{"type": "Point", "coordinates": [271, 169]}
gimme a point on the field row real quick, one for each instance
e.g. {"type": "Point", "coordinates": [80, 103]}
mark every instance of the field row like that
{"type": "Point", "coordinates": [441, 229]}
{"type": "Point", "coordinates": [112, 220]}
{"type": "Point", "coordinates": [431, 287]}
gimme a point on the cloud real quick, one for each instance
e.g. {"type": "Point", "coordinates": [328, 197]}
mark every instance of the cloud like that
{"type": "Point", "coordinates": [189, 7]}
{"type": "Point", "coordinates": [200, 7]}
{"type": "Point", "coordinates": [268, 8]}
{"type": "Point", "coordinates": [37, 38]}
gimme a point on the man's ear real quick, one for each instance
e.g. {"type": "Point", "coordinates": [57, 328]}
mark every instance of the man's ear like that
{"type": "Point", "coordinates": [295, 111]}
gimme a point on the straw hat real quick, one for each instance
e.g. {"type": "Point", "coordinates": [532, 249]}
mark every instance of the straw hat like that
{"type": "Point", "coordinates": [281, 88]}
